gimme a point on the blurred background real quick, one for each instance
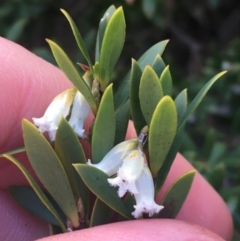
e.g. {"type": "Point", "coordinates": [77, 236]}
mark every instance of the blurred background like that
{"type": "Point", "coordinates": [204, 40]}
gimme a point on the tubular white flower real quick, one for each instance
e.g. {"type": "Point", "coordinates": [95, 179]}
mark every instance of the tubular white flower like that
{"type": "Point", "coordinates": [114, 158]}
{"type": "Point", "coordinates": [79, 114]}
{"type": "Point", "coordinates": [145, 197]}
{"type": "Point", "coordinates": [61, 107]}
{"type": "Point", "coordinates": [129, 173]}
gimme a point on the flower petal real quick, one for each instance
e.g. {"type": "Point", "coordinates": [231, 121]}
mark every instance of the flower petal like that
{"type": "Point", "coordinates": [145, 196]}
{"type": "Point", "coordinates": [60, 106]}
{"type": "Point", "coordinates": [129, 172]}
{"type": "Point", "coordinates": [79, 114]}
{"type": "Point", "coordinates": [114, 159]}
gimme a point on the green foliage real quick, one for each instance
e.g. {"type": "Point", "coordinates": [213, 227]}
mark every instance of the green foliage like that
{"type": "Point", "coordinates": [29, 200]}
{"type": "Point", "coordinates": [96, 181]}
{"type": "Point", "coordinates": [144, 95]}
{"type": "Point", "coordinates": [38, 191]}
{"type": "Point", "coordinates": [104, 127]}
{"type": "Point", "coordinates": [174, 199]}
{"type": "Point", "coordinates": [49, 170]}
{"type": "Point", "coordinates": [162, 131]}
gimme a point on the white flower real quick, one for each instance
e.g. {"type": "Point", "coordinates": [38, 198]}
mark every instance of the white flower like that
{"type": "Point", "coordinates": [145, 197]}
{"type": "Point", "coordinates": [114, 158]}
{"type": "Point", "coordinates": [79, 114]}
{"type": "Point", "coordinates": [61, 107]}
{"type": "Point", "coordinates": [129, 172]}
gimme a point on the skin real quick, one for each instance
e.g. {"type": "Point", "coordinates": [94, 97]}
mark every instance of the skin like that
{"type": "Point", "coordinates": [28, 85]}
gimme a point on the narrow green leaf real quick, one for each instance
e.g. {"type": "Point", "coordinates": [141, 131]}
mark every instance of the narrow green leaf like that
{"type": "Point", "coordinates": [69, 151]}
{"type": "Point", "coordinates": [158, 65]}
{"type": "Point", "coordinates": [209, 142]}
{"type": "Point", "coordinates": [216, 176]}
{"type": "Point", "coordinates": [49, 170]}
{"type": "Point", "coordinates": [16, 29]}
{"type": "Point", "coordinates": [162, 131]}
{"type": "Point", "coordinates": [149, 7]}
{"type": "Point", "coordinates": [27, 198]}
{"type": "Point", "coordinates": [72, 73]}
{"type": "Point", "coordinates": [122, 118]}
{"type": "Point", "coordinates": [96, 70]}
{"type": "Point", "coordinates": [102, 27]}
{"type": "Point", "coordinates": [181, 106]}
{"type": "Point", "coordinates": [96, 181]}
{"type": "Point", "coordinates": [166, 81]}
{"type": "Point", "coordinates": [150, 93]}
{"type": "Point", "coordinates": [181, 103]}
{"type": "Point", "coordinates": [14, 151]}
{"type": "Point", "coordinates": [136, 112]}
{"type": "Point", "coordinates": [37, 189]}
{"type": "Point", "coordinates": [104, 127]}
{"type": "Point", "coordinates": [122, 93]}
{"type": "Point", "coordinates": [78, 39]}
{"type": "Point", "coordinates": [112, 45]}
{"type": "Point", "coordinates": [164, 170]}
{"type": "Point", "coordinates": [149, 56]}
{"type": "Point", "coordinates": [176, 195]}
{"type": "Point", "coordinates": [101, 213]}
{"type": "Point", "coordinates": [196, 101]}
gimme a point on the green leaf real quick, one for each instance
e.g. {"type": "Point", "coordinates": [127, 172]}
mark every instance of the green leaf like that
{"type": "Point", "coordinates": [158, 65]}
{"type": "Point", "coordinates": [49, 170]}
{"type": "Point", "coordinates": [150, 93]}
{"type": "Point", "coordinates": [102, 27]}
{"type": "Point", "coordinates": [149, 7]}
{"type": "Point", "coordinates": [15, 31]}
{"type": "Point", "coordinates": [181, 103]}
{"type": "Point", "coordinates": [96, 181]}
{"type": "Point", "coordinates": [162, 131]}
{"type": "Point", "coordinates": [166, 81]}
{"type": "Point", "coordinates": [176, 195]}
{"type": "Point", "coordinates": [104, 127]}
{"type": "Point", "coordinates": [112, 45]}
{"type": "Point", "coordinates": [27, 198]}
{"type": "Point", "coordinates": [197, 100]}
{"type": "Point", "coordinates": [15, 151]}
{"type": "Point", "coordinates": [122, 93]}
{"type": "Point", "coordinates": [136, 112]}
{"type": "Point", "coordinates": [216, 176]}
{"type": "Point", "coordinates": [164, 170]}
{"type": "Point", "coordinates": [217, 152]}
{"type": "Point", "coordinates": [209, 142]}
{"type": "Point", "coordinates": [37, 189]}
{"type": "Point", "coordinates": [101, 213]}
{"type": "Point", "coordinates": [69, 151]}
{"type": "Point", "coordinates": [148, 57]}
{"type": "Point", "coordinates": [78, 39]}
{"type": "Point", "coordinates": [122, 118]}
{"type": "Point", "coordinates": [72, 73]}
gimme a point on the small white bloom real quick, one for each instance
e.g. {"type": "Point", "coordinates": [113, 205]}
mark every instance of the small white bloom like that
{"type": "Point", "coordinates": [79, 114]}
{"type": "Point", "coordinates": [61, 107]}
{"type": "Point", "coordinates": [129, 172]}
{"type": "Point", "coordinates": [145, 197]}
{"type": "Point", "coordinates": [114, 158]}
